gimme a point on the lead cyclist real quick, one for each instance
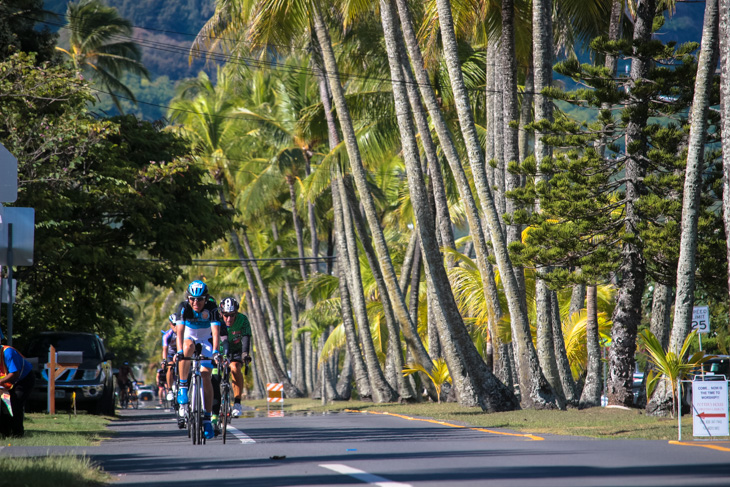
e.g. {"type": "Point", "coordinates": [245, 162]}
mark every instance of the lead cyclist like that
{"type": "Point", "coordinates": [198, 322]}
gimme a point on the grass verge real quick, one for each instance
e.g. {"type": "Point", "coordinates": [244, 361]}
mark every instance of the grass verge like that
{"type": "Point", "coordinates": [51, 471]}
{"type": "Point", "coordinates": [606, 423]}
{"type": "Point", "coordinates": [56, 470]}
{"type": "Point", "coordinates": [62, 430]}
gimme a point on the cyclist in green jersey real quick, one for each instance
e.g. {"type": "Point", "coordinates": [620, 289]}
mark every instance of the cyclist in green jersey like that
{"type": "Point", "coordinates": [239, 343]}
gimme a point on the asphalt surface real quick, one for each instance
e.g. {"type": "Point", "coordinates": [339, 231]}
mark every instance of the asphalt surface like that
{"type": "Point", "coordinates": [346, 449]}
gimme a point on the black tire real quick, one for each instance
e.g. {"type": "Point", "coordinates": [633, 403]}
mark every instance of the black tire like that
{"type": "Point", "coordinates": [105, 405]}
{"type": "Point", "coordinates": [225, 409]}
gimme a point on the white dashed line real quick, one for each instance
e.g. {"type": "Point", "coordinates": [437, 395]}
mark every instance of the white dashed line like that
{"type": "Point", "coordinates": [368, 478]}
{"type": "Point", "coordinates": [240, 435]}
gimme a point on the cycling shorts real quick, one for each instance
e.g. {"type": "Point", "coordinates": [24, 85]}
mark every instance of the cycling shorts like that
{"type": "Point", "coordinates": [203, 336]}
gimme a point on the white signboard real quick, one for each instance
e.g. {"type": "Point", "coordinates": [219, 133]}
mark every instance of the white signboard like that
{"type": "Point", "coordinates": [701, 319]}
{"type": "Point", "coordinates": [710, 408]}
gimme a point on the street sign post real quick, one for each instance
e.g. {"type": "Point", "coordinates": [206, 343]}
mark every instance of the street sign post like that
{"type": "Point", "coordinates": [17, 233]}
{"type": "Point", "coordinates": [710, 408]}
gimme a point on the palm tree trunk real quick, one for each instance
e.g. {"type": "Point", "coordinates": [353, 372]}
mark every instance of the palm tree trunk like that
{"type": "Point", "coordinates": [297, 352]}
{"type": "Point", "coordinates": [475, 385]}
{"type": "Point", "coordinates": [358, 170]}
{"type": "Point", "coordinates": [264, 341]}
{"type": "Point", "coordinates": [545, 343]}
{"type": "Point", "coordinates": [343, 263]}
{"type": "Point", "coordinates": [661, 313]}
{"type": "Point", "coordinates": [577, 299]}
{"type": "Point", "coordinates": [569, 388]}
{"type": "Point", "coordinates": [535, 390]}
{"type": "Point", "coordinates": [449, 149]}
{"type": "Point", "coordinates": [684, 300]}
{"type": "Point", "coordinates": [443, 218]}
{"type": "Point", "coordinates": [591, 396]}
{"type": "Point", "coordinates": [263, 288]}
{"type": "Point", "coordinates": [725, 114]}
{"type": "Point", "coordinates": [344, 382]}
{"type": "Point", "coordinates": [632, 269]}
{"type": "Point", "coordinates": [381, 389]}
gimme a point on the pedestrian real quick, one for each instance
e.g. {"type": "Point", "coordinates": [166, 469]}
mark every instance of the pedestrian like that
{"type": "Point", "coordinates": [16, 383]}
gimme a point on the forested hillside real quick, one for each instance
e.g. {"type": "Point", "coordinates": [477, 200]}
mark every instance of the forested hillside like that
{"type": "Point", "coordinates": [164, 30]}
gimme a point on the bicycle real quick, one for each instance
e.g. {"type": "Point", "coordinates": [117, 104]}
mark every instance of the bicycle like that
{"type": "Point", "coordinates": [225, 397]}
{"type": "Point", "coordinates": [194, 407]}
{"type": "Point", "coordinates": [132, 394]}
{"type": "Point", "coordinates": [226, 394]}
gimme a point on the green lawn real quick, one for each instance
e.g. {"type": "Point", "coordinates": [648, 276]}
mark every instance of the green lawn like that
{"type": "Point", "coordinates": [609, 423]}
{"type": "Point", "coordinates": [56, 470]}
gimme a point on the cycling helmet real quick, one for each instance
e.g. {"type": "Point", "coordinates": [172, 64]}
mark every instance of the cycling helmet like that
{"type": "Point", "coordinates": [172, 319]}
{"type": "Point", "coordinates": [229, 305]}
{"type": "Point", "coordinates": [197, 289]}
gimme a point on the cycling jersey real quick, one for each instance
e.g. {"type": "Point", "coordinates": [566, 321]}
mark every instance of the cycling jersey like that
{"type": "Point", "coordinates": [208, 317]}
{"type": "Point", "coordinates": [198, 325]}
{"type": "Point", "coordinates": [169, 340]}
{"type": "Point", "coordinates": [240, 328]}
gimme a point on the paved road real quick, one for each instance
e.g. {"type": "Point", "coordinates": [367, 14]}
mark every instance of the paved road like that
{"type": "Point", "coordinates": [359, 449]}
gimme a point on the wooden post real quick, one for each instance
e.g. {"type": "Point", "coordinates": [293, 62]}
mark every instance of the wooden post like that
{"type": "Point", "coordinates": [52, 380]}
{"type": "Point", "coordinates": [55, 369]}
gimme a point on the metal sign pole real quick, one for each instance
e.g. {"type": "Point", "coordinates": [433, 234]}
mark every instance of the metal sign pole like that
{"type": "Point", "coordinates": [10, 284]}
{"type": "Point", "coordinates": [2, 281]}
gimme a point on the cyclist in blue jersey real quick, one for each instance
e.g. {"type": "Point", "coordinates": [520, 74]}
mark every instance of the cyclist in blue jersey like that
{"type": "Point", "coordinates": [198, 322]}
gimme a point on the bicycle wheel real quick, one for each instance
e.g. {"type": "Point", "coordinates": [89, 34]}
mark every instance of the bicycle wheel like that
{"type": "Point", "coordinates": [135, 401]}
{"type": "Point", "coordinates": [195, 416]}
{"type": "Point", "coordinates": [225, 408]}
{"type": "Point", "coordinates": [199, 413]}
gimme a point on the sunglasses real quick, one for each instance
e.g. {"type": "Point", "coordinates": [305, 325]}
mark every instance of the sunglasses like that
{"type": "Point", "coordinates": [194, 299]}
{"type": "Point", "coordinates": [229, 315]}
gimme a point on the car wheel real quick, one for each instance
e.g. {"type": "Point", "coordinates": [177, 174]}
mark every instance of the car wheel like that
{"type": "Point", "coordinates": [106, 404]}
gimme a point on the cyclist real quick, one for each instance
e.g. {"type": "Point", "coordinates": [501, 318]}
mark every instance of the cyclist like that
{"type": "Point", "coordinates": [161, 385]}
{"type": "Point", "coordinates": [169, 349]}
{"type": "Point", "coordinates": [125, 371]}
{"type": "Point", "coordinates": [239, 343]}
{"type": "Point", "coordinates": [198, 322]}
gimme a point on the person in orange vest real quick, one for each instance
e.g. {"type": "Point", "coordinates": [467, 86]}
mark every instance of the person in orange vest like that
{"type": "Point", "coordinates": [16, 379]}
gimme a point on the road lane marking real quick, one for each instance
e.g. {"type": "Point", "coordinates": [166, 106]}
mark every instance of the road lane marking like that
{"type": "Point", "coordinates": [443, 423]}
{"type": "Point", "coordinates": [240, 435]}
{"type": "Point", "coordinates": [362, 476]}
{"type": "Point", "coordinates": [701, 445]}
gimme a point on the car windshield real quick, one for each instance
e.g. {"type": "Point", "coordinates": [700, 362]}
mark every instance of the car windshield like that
{"type": "Point", "coordinates": [65, 343]}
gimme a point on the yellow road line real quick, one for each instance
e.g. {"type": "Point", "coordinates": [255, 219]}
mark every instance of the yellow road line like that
{"type": "Point", "coordinates": [702, 445]}
{"type": "Point", "coordinates": [443, 423]}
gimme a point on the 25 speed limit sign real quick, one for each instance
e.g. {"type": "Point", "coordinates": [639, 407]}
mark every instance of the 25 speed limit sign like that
{"type": "Point", "coordinates": [701, 319]}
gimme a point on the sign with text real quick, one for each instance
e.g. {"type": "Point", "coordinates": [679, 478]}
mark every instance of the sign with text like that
{"type": "Point", "coordinates": [701, 319]}
{"type": "Point", "coordinates": [710, 408]}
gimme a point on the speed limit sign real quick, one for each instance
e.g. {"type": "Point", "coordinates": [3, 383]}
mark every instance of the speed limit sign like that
{"type": "Point", "coordinates": [701, 319]}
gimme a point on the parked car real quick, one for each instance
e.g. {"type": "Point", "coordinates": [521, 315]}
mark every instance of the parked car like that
{"type": "Point", "coordinates": [146, 393]}
{"type": "Point", "coordinates": [93, 381]}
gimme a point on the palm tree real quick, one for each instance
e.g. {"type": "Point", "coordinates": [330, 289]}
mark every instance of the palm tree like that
{"type": "Point", "coordinates": [725, 112]}
{"type": "Point", "coordinates": [96, 49]}
{"type": "Point", "coordinates": [669, 366]}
